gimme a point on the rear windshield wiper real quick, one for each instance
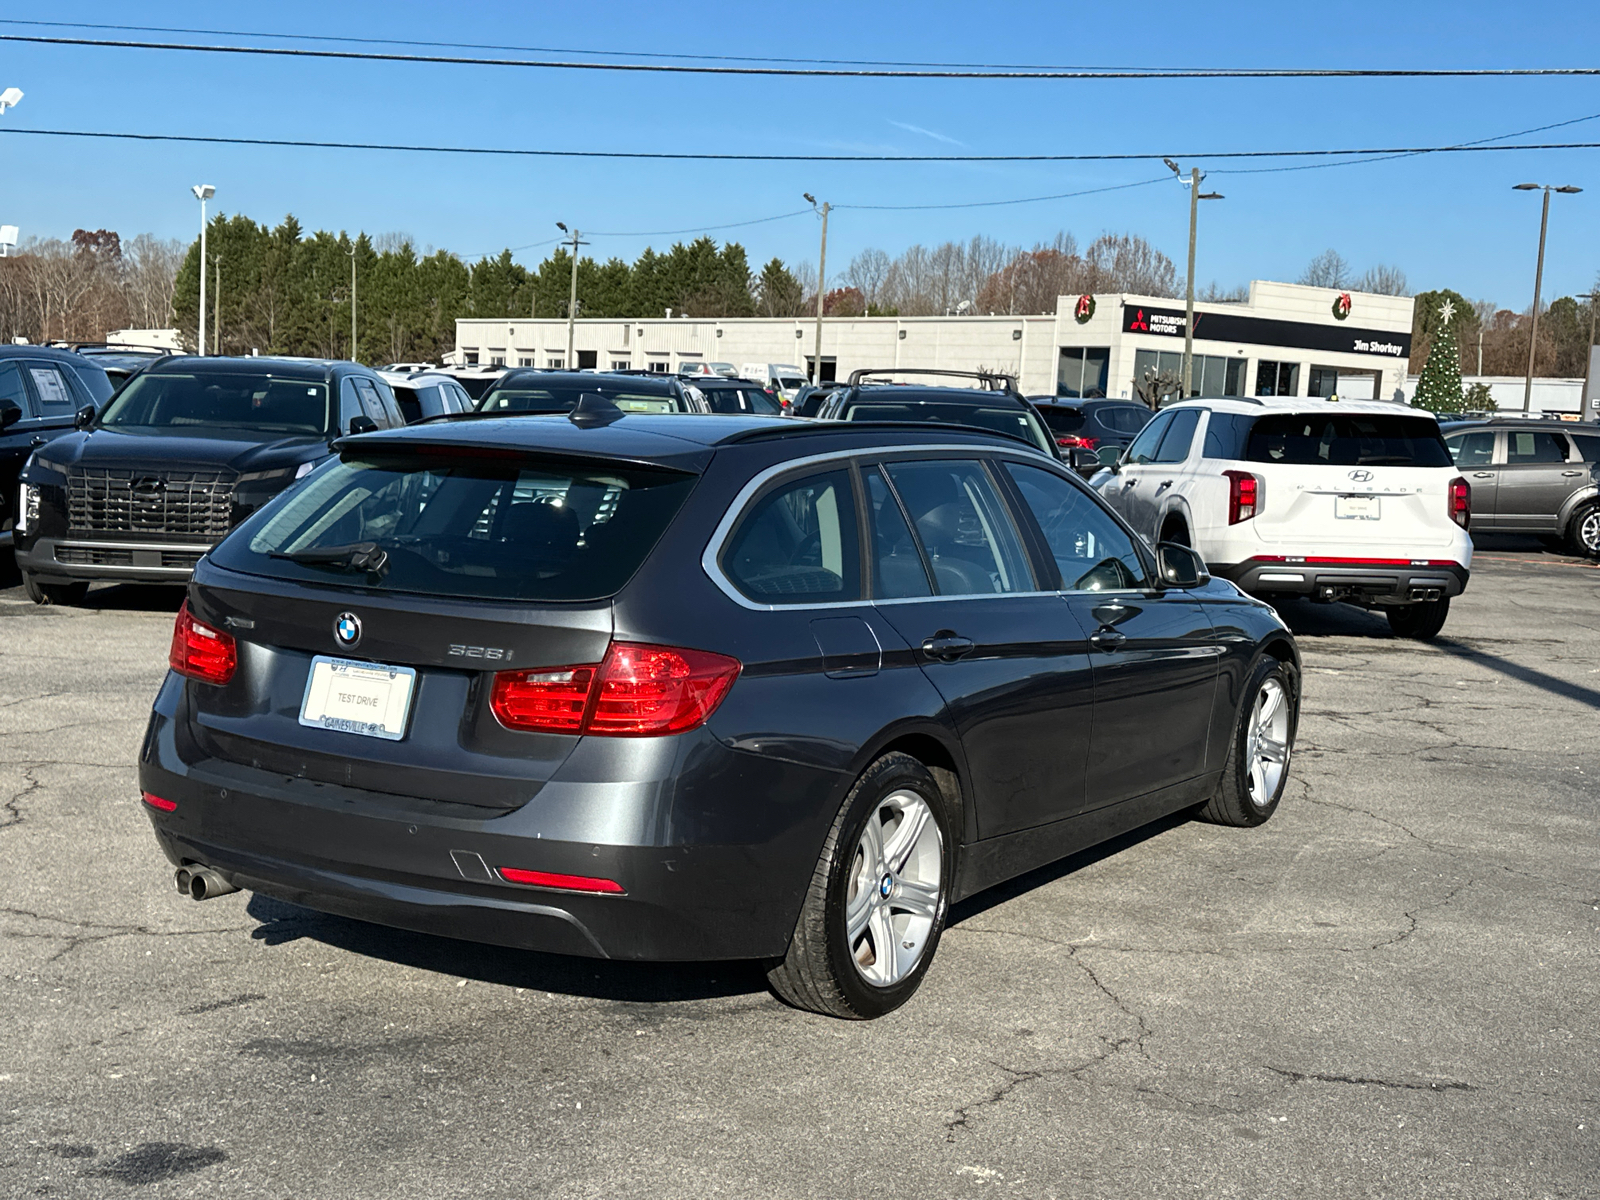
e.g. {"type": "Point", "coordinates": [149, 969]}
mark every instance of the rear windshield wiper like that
{"type": "Point", "coordinates": [356, 556]}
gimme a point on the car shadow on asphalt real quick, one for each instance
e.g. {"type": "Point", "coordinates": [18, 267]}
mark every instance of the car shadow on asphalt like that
{"type": "Point", "coordinates": [600, 979]}
{"type": "Point", "coordinates": [1308, 618]}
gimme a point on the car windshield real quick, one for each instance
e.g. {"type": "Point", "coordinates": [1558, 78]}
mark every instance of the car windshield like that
{"type": "Point", "coordinates": [1347, 440]}
{"type": "Point", "coordinates": [740, 400]}
{"type": "Point", "coordinates": [532, 396]}
{"type": "Point", "coordinates": [512, 529]}
{"type": "Point", "coordinates": [223, 400]}
{"type": "Point", "coordinates": [1013, 421]}
{"type": "Point", "coordinates": [790, 382]}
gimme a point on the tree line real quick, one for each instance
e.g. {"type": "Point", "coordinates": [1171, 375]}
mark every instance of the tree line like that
{"type": "Point", "coordinates": [281, 290]}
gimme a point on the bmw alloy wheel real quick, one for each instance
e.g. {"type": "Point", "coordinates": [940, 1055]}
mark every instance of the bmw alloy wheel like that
{"type": "Point", "coordinates": [895, 885]}
{"type": "Point", "coordinates": [1267, 743]}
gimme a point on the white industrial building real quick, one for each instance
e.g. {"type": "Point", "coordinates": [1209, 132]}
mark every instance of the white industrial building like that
{"type": "Point", "coordinates": [1284, 340]}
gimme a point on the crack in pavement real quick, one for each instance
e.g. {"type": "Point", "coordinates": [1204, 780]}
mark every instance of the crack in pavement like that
{"type": "Point", "coordinates": [77, 940]}
{"type": "Point", "coordinates": [1361, 1081]}
{"type": "Point", "coordinates": [1412, 915]}
{"type": "Point", "coordinates": [13, 806]}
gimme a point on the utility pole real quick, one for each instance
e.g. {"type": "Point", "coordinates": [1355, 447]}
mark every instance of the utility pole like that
{"type": "Point", "coordinates": [822, 288]}
{"type": "Point", "coordinates": [1480, 349]}
{"type": "Point", "coordinates": [353, 303]}
{"type": "Point", "coordinates": [1195, 196]}
{"type": "Point", "coordinates": [1538, 279]}
{"type": "Point", "coordinates": [572, 298]}
{"type": "Point", "coordinates": [1588, 356]}
{"type": "Point", "coordinates": [216, 311]}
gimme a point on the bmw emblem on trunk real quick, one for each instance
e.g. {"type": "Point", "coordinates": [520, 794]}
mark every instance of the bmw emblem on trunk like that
{"type": "Point", "coordinates": [347, 630]}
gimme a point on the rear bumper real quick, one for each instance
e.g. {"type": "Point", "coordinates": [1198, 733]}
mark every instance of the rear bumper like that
{"type": "Point", "coordinates": [714, 847]}
{"type": "Point", "coordinates": [74, 559]}
{"type": "Point", "coordinates": [1362, 581]}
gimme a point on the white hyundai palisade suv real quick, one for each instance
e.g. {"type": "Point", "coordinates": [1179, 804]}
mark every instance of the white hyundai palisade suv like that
{"type": "Point", "coordinates": [1356, 501]}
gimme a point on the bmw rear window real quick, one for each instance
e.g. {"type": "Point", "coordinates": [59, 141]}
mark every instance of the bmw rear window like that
{"type": "Point", "coordinates": [491, 528]}
{"type": "Point", "coordinates": [1347, 440]}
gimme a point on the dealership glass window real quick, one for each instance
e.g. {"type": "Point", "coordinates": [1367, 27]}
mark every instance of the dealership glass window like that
{"type": "Point", "coordinates": [1082, 372]}
{"type": "Point", "coordinates": [619, 364]}
{"type": "Point", "coordinates": [1277, 378]}
{"type": "Point", "coordinates": [1322, 381]}
{"type": "Point", "coordinates": [555, 364]}
{"type": "Point", "coordinates": [471, 356]}
{"type": "Point", "coordinates": [1211, 375]}
{"type": "Point", "coordinates": [524, 360]}
{"type": "Point", "coordinates": [659, 366]}
{"type": "Point", "coordinates": [797, 544]}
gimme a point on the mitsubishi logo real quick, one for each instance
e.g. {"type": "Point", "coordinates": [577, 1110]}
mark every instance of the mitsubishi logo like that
{"type": "Point", "coordinates": [1139, 324]}
{"type": "Point", "coordinates": [1361, 476]}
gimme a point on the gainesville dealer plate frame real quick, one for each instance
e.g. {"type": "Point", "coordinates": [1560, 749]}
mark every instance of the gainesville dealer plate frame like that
{"type": "Point", "coordinates": [364, 698]}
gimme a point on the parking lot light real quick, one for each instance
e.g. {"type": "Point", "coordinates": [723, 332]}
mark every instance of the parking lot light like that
{"type": "Point", "coordinates": [9, 98]}
{"type": "Point", "coordinates": [202, 192]}
{"type": "Point", "coordinates": [1538, 276]}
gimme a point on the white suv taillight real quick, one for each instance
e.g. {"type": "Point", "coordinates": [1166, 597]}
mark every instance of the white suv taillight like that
{"type": "Point", "coordinates": [1461, 502]}
{"type": "Point", "coordinates": [1244, 496]}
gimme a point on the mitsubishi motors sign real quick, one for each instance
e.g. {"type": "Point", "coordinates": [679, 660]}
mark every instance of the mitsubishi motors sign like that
{"type": "Point", "coordinates": [1263, 331]}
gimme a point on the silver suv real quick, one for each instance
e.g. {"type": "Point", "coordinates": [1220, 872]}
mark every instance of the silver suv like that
{"type": "Point", "coordinates": [1531, 476]}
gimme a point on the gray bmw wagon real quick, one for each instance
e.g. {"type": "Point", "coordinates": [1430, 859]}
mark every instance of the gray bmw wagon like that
{"type": "Point", "coordinates": [694, 688]}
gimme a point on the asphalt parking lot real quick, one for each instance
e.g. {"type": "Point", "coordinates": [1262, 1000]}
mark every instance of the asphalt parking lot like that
{"type": "Point", "coordinates": [1390, 989]}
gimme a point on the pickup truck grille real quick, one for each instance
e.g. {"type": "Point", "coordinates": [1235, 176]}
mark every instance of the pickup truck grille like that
{"type": "Point", "coordinates": [187, 506]}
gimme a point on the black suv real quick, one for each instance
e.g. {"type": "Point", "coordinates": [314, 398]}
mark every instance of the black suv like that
{"type": "Point", "coordinates": [183, 452]}
{"type": "Point", "coordinates": [1093, 424]}
{"type": "Point", "coordinates": [1531, 476]}
{"type": "Point", "coordinates": [995, 405]}
{"type": "Point", "coordinates": [697, 687]}
{"type": "Point", "coordinates": [529, 390]}
{"type": "Point", "coordinates": [723, 395]}
{"type": "Point", "coordinates": [42, 393]}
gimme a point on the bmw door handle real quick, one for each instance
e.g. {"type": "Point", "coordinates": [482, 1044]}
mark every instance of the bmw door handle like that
{"type": "Point", "coordinates": [1107, 639]}
{"type": "Point", "coordinates": [947, 646]}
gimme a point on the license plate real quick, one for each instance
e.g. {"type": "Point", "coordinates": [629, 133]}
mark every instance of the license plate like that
{"type": "Point", "coordinates": [1356, 508]}
{"type": "Point", "coordinates": [364, 698]}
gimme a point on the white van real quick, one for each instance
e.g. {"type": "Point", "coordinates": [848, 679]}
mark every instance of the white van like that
{"type": "Point", "coordinates": [786, 379]}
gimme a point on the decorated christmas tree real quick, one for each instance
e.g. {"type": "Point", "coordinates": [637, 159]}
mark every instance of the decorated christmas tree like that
{"type": "Point", "coordinates": [1439, 388]}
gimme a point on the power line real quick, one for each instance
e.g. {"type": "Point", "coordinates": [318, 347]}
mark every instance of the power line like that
{"type": "Point", "coordinates": [372, 41]}
{"type": "Point", "coordinates": [1088, 73]}
{"type": "Point", "coordinates": [687, 156]}
{"type": "Point", "coordinates": [1116, 187]}
{"type": "Point", "coordinates": [799, 212]}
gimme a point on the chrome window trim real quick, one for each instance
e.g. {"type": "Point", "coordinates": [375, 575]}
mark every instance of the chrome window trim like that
{"type": "Point", "coordinates": [724, 529]}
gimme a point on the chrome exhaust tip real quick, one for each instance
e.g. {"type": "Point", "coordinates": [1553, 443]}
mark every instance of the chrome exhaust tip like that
{"type": "Point", "coordinates": [206, 884]}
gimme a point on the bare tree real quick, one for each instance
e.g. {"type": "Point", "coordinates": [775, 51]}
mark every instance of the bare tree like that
{"type": "Point", "coordinates": [149, 273]}
{"type": "Point", "coordinates": [1128, 263]}
{"type": "Point", "coordinates": [867, 273]}
{"type": "Point", "coordinates": [1328, 270]}
{"type": "Point", "coordinates": [1383, 280]}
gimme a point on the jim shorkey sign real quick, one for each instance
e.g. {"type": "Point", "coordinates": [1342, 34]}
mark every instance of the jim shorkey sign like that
{"type": "Point", "coordinates": [1153, 386]}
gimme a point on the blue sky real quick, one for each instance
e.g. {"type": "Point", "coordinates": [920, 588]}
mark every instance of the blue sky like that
{"type": "Point", "coordinates": [1445, 220]}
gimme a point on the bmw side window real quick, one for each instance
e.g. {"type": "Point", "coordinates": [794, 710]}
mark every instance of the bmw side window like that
{"type": "Point", "coordinates": [1143, 449]}
{"type": "Point", "coordinates": [897, 569]}
{"type": "Point", "coordinates": [964, 527]}
{"type": "Point", "coordinates": [1176, 441]}
{"type": "Point", "coordinates": [1092, 552]}
{"type": "Point", "coordinates": [13, 389]}
{"type": "Point", "coordinates": [798, 544]}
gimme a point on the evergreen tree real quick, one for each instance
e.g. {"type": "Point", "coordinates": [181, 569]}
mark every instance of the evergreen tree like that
{"type": "Point", "coordinates": [1439, 388]}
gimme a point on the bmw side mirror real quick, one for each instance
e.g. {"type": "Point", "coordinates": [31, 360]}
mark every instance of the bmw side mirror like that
{"type": "Point", "coordinates": [363, 424]}
{"type": "Point", "coordinates": [84, 417]}
{"type": "Point", "coordinates": [1180, 566]}
{"type": "Point", "coordinates": [10, 413]}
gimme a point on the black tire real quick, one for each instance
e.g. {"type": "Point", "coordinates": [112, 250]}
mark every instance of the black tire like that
{"type": "Point", "coordinates": [1420, 621]}
{"type": "Point", "coordinates": [68, 595]}
{"type": "Point", "coordinates": [818, 973]}
{"type": "Point", "coordinates": [1583, 531]}
{"type": "Point", "coordinates": [1236, 802]}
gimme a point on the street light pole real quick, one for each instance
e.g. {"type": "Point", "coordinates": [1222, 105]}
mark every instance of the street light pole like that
{"type": "Point", "coordinates": [572, 299]}
{"type": "Point", "coordinates": [1195, 196]}
{"type": "Point", "coordinates": [822, 290]}
{"type": "Point", "coordinates": [202, 192]}
{"type": "Point", "coordinates": [216, 309]}
{"type": "Point", "coordinates": [353, 303]}
{"type": "Point", "coordinates": [1538, 279]}
{"type": "Point", "coordinates": [1588, 355]}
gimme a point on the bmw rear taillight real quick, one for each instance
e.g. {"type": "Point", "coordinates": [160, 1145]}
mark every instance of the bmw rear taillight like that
{"type": "Point", "coordinates": [1461, 502]}
{"type": "Point", "coordinates": [1244, 496]}
{"type": "Point", "coordinates": [561, 883]}
{"type": "Point", "coordinates": [201, 652]}
{"type": "Point", "coordinates": [637, 691]}
{"type": "Point", "coordinates": [158, 802]}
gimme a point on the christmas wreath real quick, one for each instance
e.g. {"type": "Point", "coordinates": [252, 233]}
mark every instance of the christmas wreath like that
{"type": "Point", "coordinates": [1341, 306]}
{"type": "Point", "coordinates": [1084, 309]}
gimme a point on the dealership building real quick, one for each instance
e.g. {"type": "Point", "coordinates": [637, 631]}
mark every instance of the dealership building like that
{"type": "Point", "coordinates": [1284, 340]}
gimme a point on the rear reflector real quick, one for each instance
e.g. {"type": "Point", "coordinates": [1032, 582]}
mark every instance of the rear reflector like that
{"type": "Point", "coordinates": [155, 801]}
{"type": "Point", "coordinates": [637, 691]}
{"type": "Point", "coordinates": [1325, 560]}
{"type": "Point", "coordinates": [1069, 440]}
{"type": "Point", "coordinates": [565, 883]}
{"type": "Point", "coordinates": [201, 652]}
